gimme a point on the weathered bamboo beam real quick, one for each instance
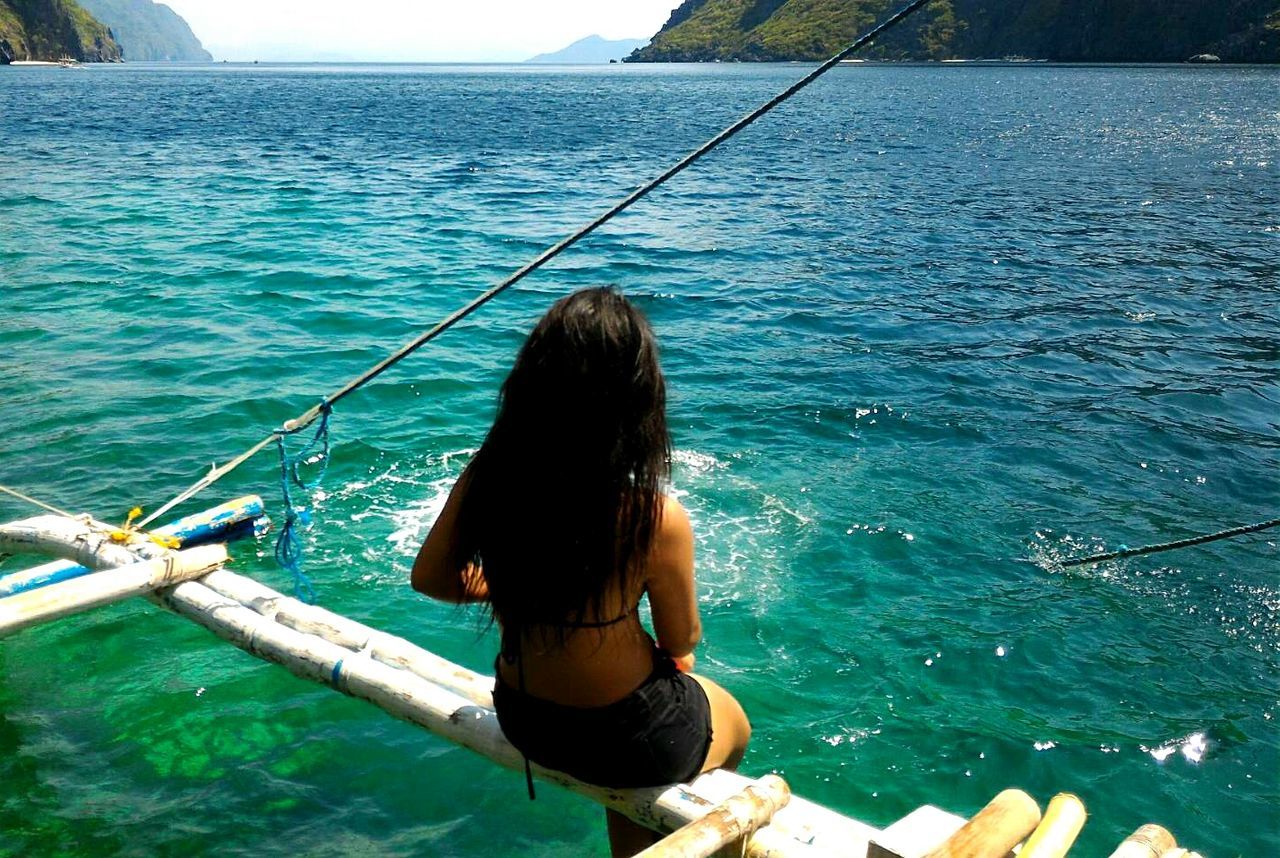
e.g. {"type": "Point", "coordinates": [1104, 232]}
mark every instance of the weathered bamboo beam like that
{"type": "Point", "coordinates": [81, 540]}
{"type": "Point", "coordinates": [994, 830]}
{"type": "Point", "coordinates": [416, 686]}
{"type": "Point", "coordinates": [421, 701]}
{"type": "Point", "coordinates": [221, 523]}
{"type": "Point", "coordinates": [380, 646]}
{"type": "Point", "coordinates": [1149, 841]}
{"type": "Point", "coordinates": [102, 588]}
{"type": "Point", "coordinates": [1060, 827]}
{"type": "Point", "coordinates": [732, 821]}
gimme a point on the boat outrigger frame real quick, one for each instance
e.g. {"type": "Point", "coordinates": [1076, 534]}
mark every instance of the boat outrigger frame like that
{"type": "Point", "coordinates": [182, 568]}
{"type": "Point", "coordinates": [102, 564]}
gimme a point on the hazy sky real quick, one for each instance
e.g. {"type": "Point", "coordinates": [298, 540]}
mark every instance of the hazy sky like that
{"type": "Point", "coordinates": [425, 30]}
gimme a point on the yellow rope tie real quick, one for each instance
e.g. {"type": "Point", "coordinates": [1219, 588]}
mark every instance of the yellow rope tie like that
{"type": "Point", "coordinates": [129, 532]}
{"type": "Point", "coordinates": [126, 534]}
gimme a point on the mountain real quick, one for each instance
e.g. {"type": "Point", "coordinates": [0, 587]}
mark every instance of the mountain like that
{"type": "Point", "coordinates": [1063, 30]}
{"type": "Point", "coordinates": [149, 31]}
{"type": "Point", "coordinates": [52, 29]}
{"type": "Point", "coordinates": [592, 49]}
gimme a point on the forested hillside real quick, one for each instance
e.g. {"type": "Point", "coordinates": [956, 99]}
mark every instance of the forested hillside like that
{"type": "Point", "coordinates": [52, 29]}
{"type": "Point", "coordinates": [1063, 30]}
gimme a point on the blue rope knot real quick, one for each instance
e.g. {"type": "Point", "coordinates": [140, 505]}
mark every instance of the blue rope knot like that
{"type": "Point", "coordinates": [315, 453]}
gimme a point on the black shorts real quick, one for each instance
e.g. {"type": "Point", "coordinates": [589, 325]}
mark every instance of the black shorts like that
{"type": "Point", "coordinates": [658, 734]}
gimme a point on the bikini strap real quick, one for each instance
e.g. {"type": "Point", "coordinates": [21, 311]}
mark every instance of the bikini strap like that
{"type": "Point", "coordinates": [598, 624]}
{"type": "Point", "coordinates": [528, 770]}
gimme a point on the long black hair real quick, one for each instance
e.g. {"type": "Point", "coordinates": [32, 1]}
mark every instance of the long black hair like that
{"type": "Point", "coordinates": [564, 497]}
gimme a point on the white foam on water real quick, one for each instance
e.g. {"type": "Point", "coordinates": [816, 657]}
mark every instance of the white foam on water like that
{"type": "Point", "coordinates": [851, 736]}
{"type": "Point", "coordinates": [1192, 747]}
{"type": "Point", "coordinates": [1244, 611]}
{"type": "Point", "coordinates": [413, 521]}
{"type": "Point", "coordinates": [377, 523]}
{"type": "Point", "coordinates": [695, 462]}
{"type": "Point", "coordinates": [744, 535]}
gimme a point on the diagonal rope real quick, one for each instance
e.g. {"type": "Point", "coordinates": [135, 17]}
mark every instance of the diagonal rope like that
{"type": "Point", "coordinates": [1170, 546]}
{"type": "Point", "coordinates": [44, 506]}
{"type": "Point", "coordinates": [310, 415]}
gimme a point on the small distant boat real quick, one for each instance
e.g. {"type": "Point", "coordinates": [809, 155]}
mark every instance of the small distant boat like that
{"type": "Point", "coordinates": [61, 62]}
{"type": "Point", "coordinates": [1205, 58]}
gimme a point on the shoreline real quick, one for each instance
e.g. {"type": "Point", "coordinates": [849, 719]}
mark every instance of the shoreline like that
{"type": "Point", "coordinates": [965, 63]}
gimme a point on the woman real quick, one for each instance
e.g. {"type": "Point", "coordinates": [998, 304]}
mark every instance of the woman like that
{"type": "Point", "coordinates": [560, 524]}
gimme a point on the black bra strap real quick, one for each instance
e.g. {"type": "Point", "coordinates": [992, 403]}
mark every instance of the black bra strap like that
{"type": "Point", "coordinates": [597, 624]}
{"type": "Point", "coordinates": [528, 770]}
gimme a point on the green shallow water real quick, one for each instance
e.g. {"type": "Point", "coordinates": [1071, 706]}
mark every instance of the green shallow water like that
{"type": "Point", "coordinates": [926, 330]}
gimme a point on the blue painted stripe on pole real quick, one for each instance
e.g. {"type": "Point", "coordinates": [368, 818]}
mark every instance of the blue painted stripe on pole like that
{"type": "Point", "coordinates": [51, 577]}
{"type": "Point", "coordinates": [221, 522]}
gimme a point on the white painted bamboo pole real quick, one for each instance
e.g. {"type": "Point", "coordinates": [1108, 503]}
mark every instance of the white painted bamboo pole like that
{"type": "Point", "coordinates": [420, 701]}
{"type": "Point", "coordinates": [83, 540]}
{"type": "Point", "coordinates": [802, 821]}
{"type": "Point", "coordinates": [383, 647]}
{"type": "Point", "coordinates": [24, 610]}
{"type": "Point", "coordinates": [206, 526]}
{"type": "Point", "coordinates": [416, 692]}
{"type": "Point", "coordinates": [729, 822]}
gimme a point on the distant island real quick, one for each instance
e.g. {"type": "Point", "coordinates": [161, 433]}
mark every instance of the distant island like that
{"type": "Point", "coordinates": [149, 31]}
{"type": "Point", "coordinates": [51, 30]}
{"type": "Point", "coordinates": [1246, 31]}
{"type": "Point", "coordinates": [592, 49]}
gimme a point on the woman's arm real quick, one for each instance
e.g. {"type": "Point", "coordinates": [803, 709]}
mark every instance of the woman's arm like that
{"type": "Point", "coordinates": [436, 571]}
{"type": "Point", "coordinates": [669, 580]}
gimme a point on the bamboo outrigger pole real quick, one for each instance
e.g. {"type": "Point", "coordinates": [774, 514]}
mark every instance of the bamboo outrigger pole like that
{"type": "Point", "coordinates": [102, 588]}
{"type": "Point", "coordinates": [732, 821]}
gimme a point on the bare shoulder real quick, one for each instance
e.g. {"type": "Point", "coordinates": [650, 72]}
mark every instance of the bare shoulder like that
{"type": "Point", "coordinates": [675, 524]}
{"type": "Point", "coordinates": [672, 551]}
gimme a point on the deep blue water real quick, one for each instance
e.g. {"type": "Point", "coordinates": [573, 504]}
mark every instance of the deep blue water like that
{"type": "Point", "coordinates": [926, 330]}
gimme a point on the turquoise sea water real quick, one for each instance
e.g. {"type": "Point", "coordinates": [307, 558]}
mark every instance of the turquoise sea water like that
{"type": "Point", "coordinates": [926, 329]}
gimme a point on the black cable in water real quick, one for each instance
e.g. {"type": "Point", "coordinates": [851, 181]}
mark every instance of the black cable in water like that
{"type": "Point", "coordinates": [1170, 546]}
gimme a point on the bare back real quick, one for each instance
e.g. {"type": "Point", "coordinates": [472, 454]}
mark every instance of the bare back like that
{"type": "Point", "coordinates": [591, 666]}
{"type": "Point", "coordinates": [603, 663]}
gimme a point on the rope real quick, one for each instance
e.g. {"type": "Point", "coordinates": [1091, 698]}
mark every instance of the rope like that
{"type": "Point", "coordinates": [216, 473]}
{"type": "Point", "coordinates": [289, 549]}
{"type": "Point", "coordinates": [310, 415]}
{"type": "Point", "coordinates": [122, 535]}
{"type": "Point", "coordinates": [1170, 546]}
{"type": "Point", "coordinates": [44, 506]}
